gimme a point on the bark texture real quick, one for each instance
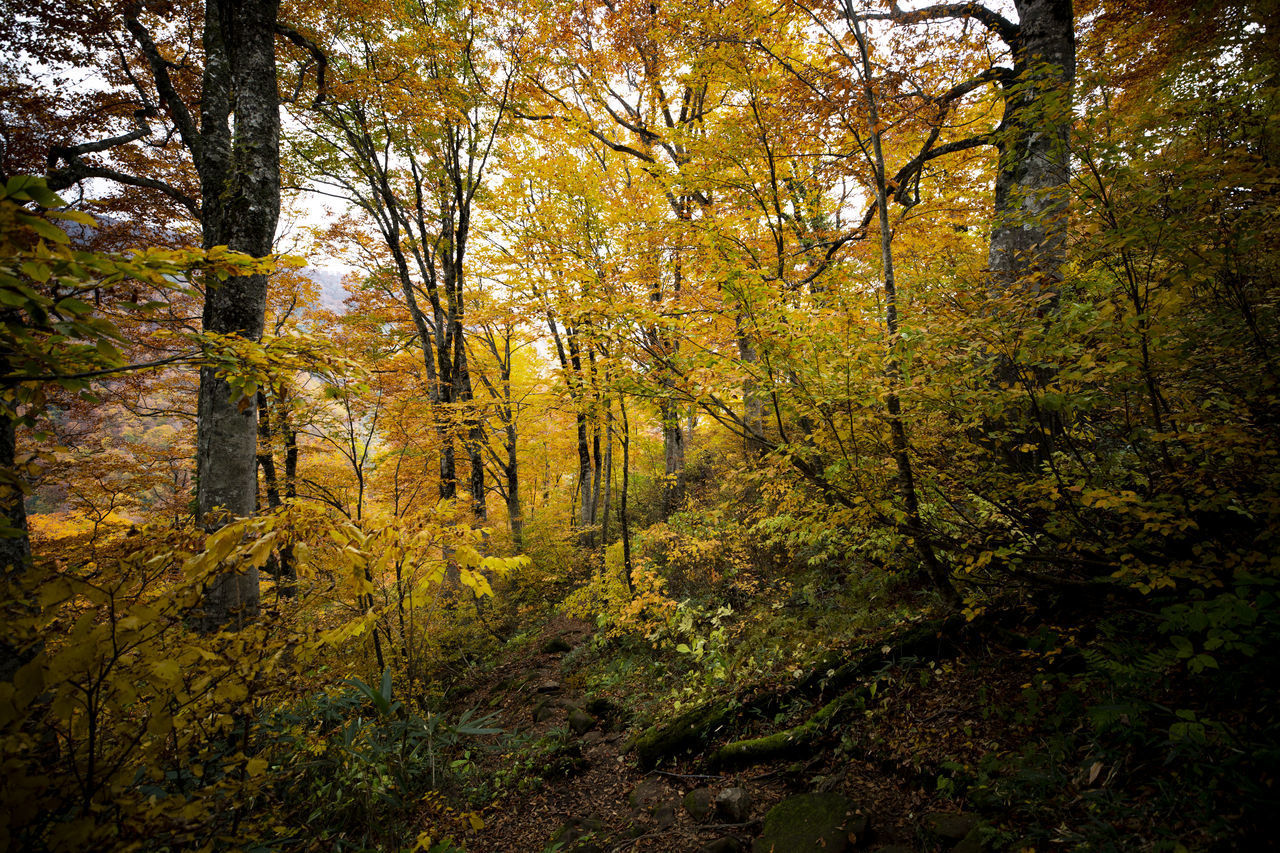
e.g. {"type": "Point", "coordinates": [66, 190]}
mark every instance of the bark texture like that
{"type": "Point", "coordinates": [237, 155]}
{"type": "Point", "coordinates": [1028, 240]}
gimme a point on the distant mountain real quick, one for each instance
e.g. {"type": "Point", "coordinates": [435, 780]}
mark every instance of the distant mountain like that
{"type": "Point", "coordinates": [332, 293]}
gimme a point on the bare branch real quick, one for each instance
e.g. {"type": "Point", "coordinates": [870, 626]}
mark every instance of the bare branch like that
{"type": "Point", "coordinates": [164, 85]}
{"type": "Point", "coordinates": [1007, 30]}
{"type": "Point", "coordinates": [322, 61]}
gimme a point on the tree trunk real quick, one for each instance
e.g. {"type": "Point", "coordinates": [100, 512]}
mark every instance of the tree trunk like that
{"type": "Point", "coordinates": [585, 500]}
{"type": "Point", "coordinates": [238, 159]}
{"type": "Point", "coordinates": [914, 528]}
{"type": "Point", "coordinates": [606, 494]}
{"type": "Point", "coordinates": [623, 518]}
{"type": "Point", "coordinates": [279, 565]}
{"type": "Point", "coordinates": [672, 455]}
{"type": "Point", "coordinates": [515, 513]}
{"type": "Point", "coordinates": [1028, 239]}
{"type": "Point", "coordinates": [15, 544]}
{"type": "Point", "coordinates": [752, 405]}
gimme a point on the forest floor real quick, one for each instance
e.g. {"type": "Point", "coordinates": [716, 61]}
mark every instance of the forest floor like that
{"type": "Point", "coordinates": [570, 783]}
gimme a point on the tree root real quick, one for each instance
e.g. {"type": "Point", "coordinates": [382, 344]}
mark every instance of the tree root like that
{"type": "Point", "coordinates": [690, 729]}
{"type": "Point", "coordinates": [694, 728]}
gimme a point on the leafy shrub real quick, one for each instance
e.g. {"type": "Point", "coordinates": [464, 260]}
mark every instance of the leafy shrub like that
{"type": "Point", "coordinates": [358, 761]}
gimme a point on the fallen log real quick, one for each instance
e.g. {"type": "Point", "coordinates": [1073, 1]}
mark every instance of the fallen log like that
{"type": "Point", "coordinates": [695, 727]}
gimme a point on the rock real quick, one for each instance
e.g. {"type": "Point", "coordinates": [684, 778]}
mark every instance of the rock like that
{"type": "Point", "coordinates": [578, 834]}
{"type": "Point", "coordinates": [857, 828]}
{"type": "Point", "coordinates": [542, 710]}
{"type": "Point", "coordinates": [648, 795]}
{"type": "Point", "coordinates": [602, 706]}
{"type": "Point", "coordinates": [580, 721]}
{"type": "Point", "coordinates": [734, 805]}
{"type": "Point", "coordinates": [952, 826]}
{"type": "Point", "coordinates": [974, 842]}
{"type": "Point", "coordinates": [698, 803]}
{"type": "Point", "coordinates": [817, 822]}
{"type": "Point", "coordinates": [728, 844]}
{"type": "Point", "coordinates": [665, 815]}
{"type": "Point", "coordinates": [549, 686]}
{"type": "Point", "coordinates": [593, 737]}
{"type": "Point", "coordinates": [556, 646]}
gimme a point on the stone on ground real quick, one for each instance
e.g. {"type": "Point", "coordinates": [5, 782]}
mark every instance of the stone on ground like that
{"type": "Point", "coordinates": [698, 803]}
{"type": "Point", "coordinates": [817, 822]}
{"type": "Point", "coordinates": [734, 805]}
{"type": "Point", "coordinates": [950, 826]}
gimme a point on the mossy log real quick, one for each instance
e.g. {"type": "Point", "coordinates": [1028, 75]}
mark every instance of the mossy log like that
{"type": "Point", "coordinates": [792, 741]}
{"type": "Point", "coordinates": [932, 639]}
{"type": "Point", "coordinates": [694, 727]}
{"type": "Point", "coordinates": [689, 729]}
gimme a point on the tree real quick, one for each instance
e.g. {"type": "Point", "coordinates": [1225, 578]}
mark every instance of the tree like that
{"type": "Point", "coordinates": [407, 139]}
{"type": "Point", "coordinates": [230, 129]}
{"type": "Point", "coordinates": [1028, 238]}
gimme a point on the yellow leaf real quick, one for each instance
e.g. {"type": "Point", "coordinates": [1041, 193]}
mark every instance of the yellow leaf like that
{"type": "Point", "coordinates": [160, 725]}
{"type": "Point", "coordinates": [167, 671]}
{"type": "Point", "coordinates": [222, 543]}
{"type": "Point", "coordinates": [261, 551]}
{"type": "Point", "coordinates": [468, 556]}
{"type": "Point", "coordinates": [476, 581]}
{"type": "Point", "coordinates": [256, 766]}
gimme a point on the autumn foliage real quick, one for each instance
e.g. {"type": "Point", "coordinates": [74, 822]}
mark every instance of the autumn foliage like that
{"type": "Point", "coordinates": [674, 315]}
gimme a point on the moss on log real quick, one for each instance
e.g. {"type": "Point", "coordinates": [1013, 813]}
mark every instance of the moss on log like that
{"type": "Point", "coordinates": [689, 729]}
{"type": "Point", "coordinates": [797, 739]}
{"type": "Point", "coordinates": [694, 727]}
{"type": "Point", "coordinates": [929, 639]}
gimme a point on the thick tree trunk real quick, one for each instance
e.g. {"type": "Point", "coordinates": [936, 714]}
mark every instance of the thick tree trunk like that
{"type": "Point", "coordinates": [239, 165]}
{"type": "Point", "coordinates": [1028, 239]}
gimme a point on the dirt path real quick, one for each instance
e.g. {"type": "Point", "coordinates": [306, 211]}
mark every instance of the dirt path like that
{"type": "Point", "coordinates": [594, 798]}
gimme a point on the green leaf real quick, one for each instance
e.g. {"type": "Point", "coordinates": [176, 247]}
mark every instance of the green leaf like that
{"type": "Point", "coordinates": [44, 228]}
{"type": "Point", "coordinates": [73, 306]}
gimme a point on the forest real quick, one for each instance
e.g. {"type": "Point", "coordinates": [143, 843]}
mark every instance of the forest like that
{"type": "Point", "coordinates": [639, 425]}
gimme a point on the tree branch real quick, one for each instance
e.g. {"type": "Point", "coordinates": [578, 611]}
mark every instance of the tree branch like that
{"type": "Point", "coordinates": [78, 170]}
{"type": "Point", "coordinates": [1007, 30]}
{"type": "Point", "coordinates": [164, 85]}
{"type": "Point", "coordinates": [72, 153]}
{"type": "Point", "coordinates": [12, 379]}
{"type": "Point", "coordinates": [322, 61]}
